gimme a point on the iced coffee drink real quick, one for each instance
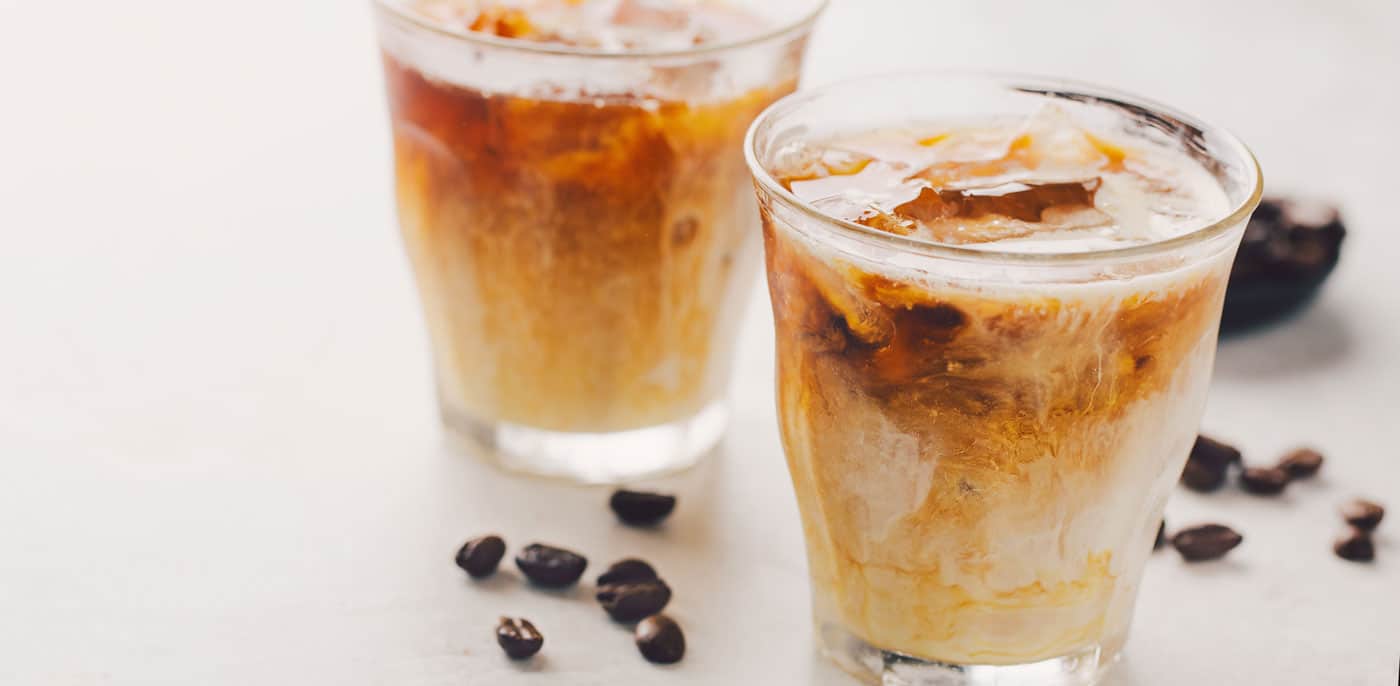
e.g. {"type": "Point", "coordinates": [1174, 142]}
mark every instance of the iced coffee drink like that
{"type": "Point", "coordinates": [996, 308]}
{"type": "Point", "coordinates": [574, 201]}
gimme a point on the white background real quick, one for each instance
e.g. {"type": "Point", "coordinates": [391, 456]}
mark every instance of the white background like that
{"type": "Point", "coordinates": [219, 459]}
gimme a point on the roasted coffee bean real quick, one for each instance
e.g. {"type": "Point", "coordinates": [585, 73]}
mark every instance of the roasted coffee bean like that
{"type": "Point", "coordinates": [480, 556]}
{"type": "Point", "coordinates": [630, 570]}
{"type": "Point", "coordinates": [1363, 514]}
{"type": "Point", "coordinates": [660, 639]}
{"type": "Point", "coordinates": [1264, 480]}
{"type": "Point", "coordinates": [550, 567]}
{"type": "Point", "coordinates": [1201, 478]}
{"type": "Point", "coordinates": [1205, 542]}
{"type": "Point", "coordinates": [519, 639]}
{"type": "Point", "coordinates": [1356, 546]}
{"type": "Point", "coordinates": [1208, 464]}
{"type": "Point", "coordinates": [1161, 536]}
{"type": "Point", "coordinates": [640, 508]}
{"type": "Point", "coordinates": [631, 601]}
{"type": "Point", "coordinates": [1289, 248]}
{"type": "Point", "coordinates": [1301, 463]}
{"type": "Point", "coordinates": [1214, 454]}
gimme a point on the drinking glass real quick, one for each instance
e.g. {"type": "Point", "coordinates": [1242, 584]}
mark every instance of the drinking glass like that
{"type": "Point", "coordinates": [582, 231]}
{"type": "Point", "coordinates": [982, 440]}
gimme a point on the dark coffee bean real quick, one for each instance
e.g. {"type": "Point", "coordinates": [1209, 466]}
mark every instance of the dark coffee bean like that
{"type": "Point", "coordinates": [1205, 542]}
{"type": "Point", "coordinates": [1356, 546]}
{"type": "Point", "coordinates": [629, 602]}
{"type": "Point", "coordinates": [1200, 478]}
{"type": "Point", "coordinates": [519, 639]}
{"type": "Point", "coordinates": [550, 567]}
{"type": "Point", "coordinates": [1288, 250]}
{"type": "Point", "coordinates": [1264, 480]}
{"type": "Point", "coordinates": [660, 639]}
{"type": "Point", "coordinates": [1161, 536]}
{"type": "Point", "coordinates": [630, 570]}
{"type": "Point", "coordinates": [1214, 454]}
{"type": "Point", "coordinates": [642, 509]}
{"type": "Point", "coordinates": [480, 556]}
{"type": "Point", "coordinates": [1301, 463]}
{"type": "Point", "coordinates": [1363, 514]}
{"type": "Point", "coordinates": [1208, 464]}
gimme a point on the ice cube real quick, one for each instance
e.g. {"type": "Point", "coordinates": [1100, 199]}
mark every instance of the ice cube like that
{"type": "Point", "coordinates": [841, 206]}
{"type": "Point", "coordinates": [1046, 147]}
{"type": "Point", "coordinates": [1021, 201]}
{"type": "Point", "coordinates": [845, 162]}
{"type": "Point", "coordinates": [1051, 141]}
{"type": "Point", "coordinates": [856, 177]}
{"type": "Point", "coordinates": [876, 218]}
{"type": "Point", "coordinates": [654, 24]}
{"type": "Point", "coordinates": [974, 145]}
{"type": "Point", "coordinates": [651, 15]}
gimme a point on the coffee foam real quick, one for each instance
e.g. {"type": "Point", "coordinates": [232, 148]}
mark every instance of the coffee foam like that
{"type": "Point", "coordinates": [1007, 185]}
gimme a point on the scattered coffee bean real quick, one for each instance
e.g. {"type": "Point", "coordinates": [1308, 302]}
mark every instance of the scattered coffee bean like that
{"type": "Point", "coordinates": [480, 556]}
{"type": "Point", "coordinates": [549, 566]}
{"type": "Point", "coordinates": [1201, 478]}
{"type": "Point", "coordinates": [660, 639]}
{"type": "Point", "coordinates": [1214, 454]}
{"type": "Point", "coordinates": [1205, 542]}
{"type": "Point", "coordinates": [1289, 248]}
{"type": "Point", "coordinates": [1301, 463]}
{"type": "Point", "coordinates": [630, 570]}
{"type": "Point", "coordinates": [1161, 536]}
{"type": "Point", "coordinates": [640, 508]}
{"type": "Point", "coordinates": [1208, 464]}
{"type": "Point", "coordinates": [632, 601]}
{"type": "Point", "coordinates": [1363, 514]}
{"type": "Point", "coordinates": [1356, 546]}
{"type": "Point", "coordinates": [519, 639]}
{"type": "Point", "coordinates": [1264, 480]}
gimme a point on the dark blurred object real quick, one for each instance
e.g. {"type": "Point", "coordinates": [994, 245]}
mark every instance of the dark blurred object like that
{"type": "Point", "coordinates": [1208, 464]}
{"type": "Point", "coordinates": [1289, 248]}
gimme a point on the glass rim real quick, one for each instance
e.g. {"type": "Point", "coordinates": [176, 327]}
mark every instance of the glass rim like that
{"type": "Point", "coordinates": [1030, 83]}
{"type": "Point", "coordinates": [778, 31]}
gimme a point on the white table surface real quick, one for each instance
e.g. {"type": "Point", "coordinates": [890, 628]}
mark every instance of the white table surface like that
{"type": "Point", "coordinates": [219, 459]}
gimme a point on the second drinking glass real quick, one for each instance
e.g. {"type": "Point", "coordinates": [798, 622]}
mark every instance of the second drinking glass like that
{"type": "Point", "coordinates": [574, 200]}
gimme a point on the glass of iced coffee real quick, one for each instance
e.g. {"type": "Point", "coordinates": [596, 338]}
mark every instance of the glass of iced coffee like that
{"type": "Point", "coordinates": [574, 200]}
{"type": "Point", "coordinates": [996, 302]}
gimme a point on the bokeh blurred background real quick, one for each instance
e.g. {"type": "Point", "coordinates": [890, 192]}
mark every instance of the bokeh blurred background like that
{"type": "Point", "coordinates": [218, 456]}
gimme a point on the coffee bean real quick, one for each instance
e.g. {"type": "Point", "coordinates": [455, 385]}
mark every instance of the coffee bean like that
{"type": "Point", "coordinates": [1363, 514]}
{"type": "Point", "coordinates": [480, 556]}
{"type": "Point", "coordinates": [1214, 454]}
{"type": "Point", "coordinates": [519, 639]}
{"type": "Point", "coordinates": [549, 566]}
{"type": "Point", "coordinates": [1264, 480]}
{"type": "Point", "coordinates": [660, 639]}
{"type": "Point", "coordinates": [1161, 535]}
{"type": "Point", "coordinates": [1207, 465]}
{"type": "Point", "coordinates": [629, 602]}
{"type": "Point", "coordinates": [1205, 542]}
{"type": "Point", "coordinates": [1355, 546]}
{"type": "Point", "coordinates": [640, 508]}
{"type": "Point", "coordinates": [1201, 478]}
{"type": "Point", "coordinates": [630, 570]}
{"type": "Point", "coordinates": [1288, 249]}
{"type": "Point", "coordinates": [1301, 463]}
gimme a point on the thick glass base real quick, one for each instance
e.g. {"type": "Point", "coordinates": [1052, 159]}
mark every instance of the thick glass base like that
{"type": "Point", "coordinates": [595, 458]}
{"type": "Point", "coordinates": [888, 668]}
